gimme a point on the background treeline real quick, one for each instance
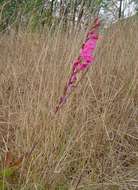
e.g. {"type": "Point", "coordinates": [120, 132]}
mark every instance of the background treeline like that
{"type": "Point", "coordinates": [39, 14]}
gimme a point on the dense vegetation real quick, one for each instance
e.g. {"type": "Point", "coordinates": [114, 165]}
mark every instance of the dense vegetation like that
{"type": "Point", "coordinates": [38, 14]}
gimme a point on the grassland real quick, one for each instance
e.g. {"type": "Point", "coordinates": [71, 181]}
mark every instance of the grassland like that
{"type": "Point", "coordinates": [92, 143]}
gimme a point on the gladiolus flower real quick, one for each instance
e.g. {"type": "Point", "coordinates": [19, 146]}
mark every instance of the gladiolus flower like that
{"type": "Point", "coordinates": [83, 62]}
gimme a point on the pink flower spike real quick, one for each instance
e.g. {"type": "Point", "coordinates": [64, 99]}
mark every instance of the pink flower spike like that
{"type": "Point", "coordinates": [82, 63]}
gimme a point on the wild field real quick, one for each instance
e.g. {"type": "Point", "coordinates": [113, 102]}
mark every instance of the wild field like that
{"type": "Point", "coordinates": [92, 142]}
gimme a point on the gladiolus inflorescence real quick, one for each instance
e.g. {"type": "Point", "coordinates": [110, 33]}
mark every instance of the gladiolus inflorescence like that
{"type": "Point", "coordinates": [83, 62]}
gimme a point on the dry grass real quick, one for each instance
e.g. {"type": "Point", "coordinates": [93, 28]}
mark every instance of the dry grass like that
{"type": "Point", "coordinates": [92, 143]}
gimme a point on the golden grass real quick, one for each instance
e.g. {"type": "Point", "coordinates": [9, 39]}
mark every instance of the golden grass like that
{"type": "Point", "coordinates": [92, 143]}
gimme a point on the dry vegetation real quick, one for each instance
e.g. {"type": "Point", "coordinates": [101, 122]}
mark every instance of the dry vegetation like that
{"type": "Point", "coordinates": [92, 143]}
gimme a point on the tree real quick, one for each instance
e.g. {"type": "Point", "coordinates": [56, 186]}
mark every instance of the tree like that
{"type": "Point", "coordinates": [114, 9]}
{"type": "Point", "coordinates": [17, 13]}
{"type": "Point", "coordinates": [136, 5]}
{"type": "Point", "coordinates": [120, 9]}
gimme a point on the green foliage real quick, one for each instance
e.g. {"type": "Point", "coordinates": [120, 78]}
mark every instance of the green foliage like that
{"type": "Point", "coordinates": [26, 12]}
{"type": "Point", "coordinates": [8, 13]}
{"type": "Point", "coordinates": [7, 172]}
{"type": "Point", "coordinates": [34, 15]}
{"type": "Point", "coordinates": [61, 187]}
{"type": "Point", "coordinates": [4, 174]}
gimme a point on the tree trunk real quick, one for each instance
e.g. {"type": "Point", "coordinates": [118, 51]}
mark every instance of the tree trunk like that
{"type": "Point", "coordinates": [120, 9]}
{"type": "Point", "coordinates": [61, 12]}
{"type": "Point", "coordinates": [81, 12]}
{"type": "Point", "coordinates": [52, 6]}
{"type": "Point", "coordinates": [74, 12]}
